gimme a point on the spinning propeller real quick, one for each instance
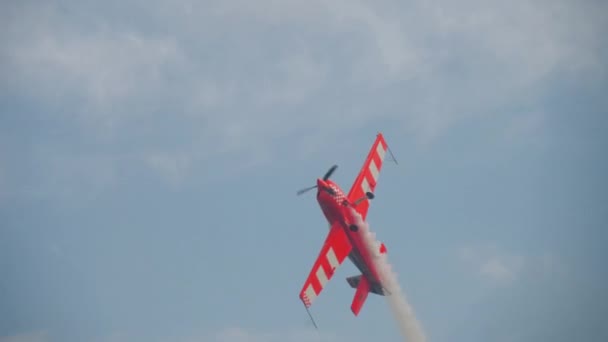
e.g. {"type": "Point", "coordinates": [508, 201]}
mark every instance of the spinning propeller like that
{"type": "Point", "coordinates": [330, 172]}
{"type": "Point", "coordinates": [325, 177]}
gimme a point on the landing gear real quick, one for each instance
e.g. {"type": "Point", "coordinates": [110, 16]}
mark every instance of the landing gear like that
{"type": "Point", "coordinates": [368, 195]}
{"type": "Point", "coordinates": [353, 227]}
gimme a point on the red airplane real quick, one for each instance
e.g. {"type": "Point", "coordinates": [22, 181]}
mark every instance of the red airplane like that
{"type": "Point", "coordinates": [346, 215]}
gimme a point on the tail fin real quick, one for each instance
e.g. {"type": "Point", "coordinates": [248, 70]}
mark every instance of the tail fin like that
{"type": "Point", "coordinates": [360, 295]}
{"type": "Point", "coordinates": [363, 286]}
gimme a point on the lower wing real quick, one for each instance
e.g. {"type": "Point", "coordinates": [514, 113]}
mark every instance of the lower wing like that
{"type": "Point", "coordinates": [333, 253]}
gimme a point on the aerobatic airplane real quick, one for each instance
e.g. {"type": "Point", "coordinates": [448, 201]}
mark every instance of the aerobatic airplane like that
{"type": "Point", "coordinates": [345, 214]}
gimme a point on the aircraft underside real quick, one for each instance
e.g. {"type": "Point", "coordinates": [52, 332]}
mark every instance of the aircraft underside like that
{"type": "Point", "coordinates": [357, 260]}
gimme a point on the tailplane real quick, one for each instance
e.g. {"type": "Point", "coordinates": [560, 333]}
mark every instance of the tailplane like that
{"type": "Point", "coordinates": [354, 283]}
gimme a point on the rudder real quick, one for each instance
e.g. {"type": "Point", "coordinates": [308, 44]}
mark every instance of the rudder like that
{"type": "Point", "coordinates": [360, 295]}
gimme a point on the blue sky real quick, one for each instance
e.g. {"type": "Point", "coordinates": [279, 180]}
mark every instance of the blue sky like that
{"type": "Point", "coordinates": [150, 153]}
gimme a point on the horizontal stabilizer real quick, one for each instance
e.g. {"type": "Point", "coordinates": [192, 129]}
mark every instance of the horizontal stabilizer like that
{"type": "Point", "coordinates": [354, 283]}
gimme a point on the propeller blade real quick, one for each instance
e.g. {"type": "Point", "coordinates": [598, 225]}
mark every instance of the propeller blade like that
{"type": "Point", "coordinates": [326, 177]}
{"type": "Point", "coordinates": [305, 190]}
{"type": "Point", "coordinates": [329, 172]}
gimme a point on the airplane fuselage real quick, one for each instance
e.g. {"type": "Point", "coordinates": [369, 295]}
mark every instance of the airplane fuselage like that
{"type": "Point", "coordinates": [337, 208]}
{"type": "Point", "coordinates": [349, 235]}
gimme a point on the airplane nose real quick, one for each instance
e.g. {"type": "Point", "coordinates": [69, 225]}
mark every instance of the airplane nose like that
{"type": "Point", "coordinates": [324, 186]}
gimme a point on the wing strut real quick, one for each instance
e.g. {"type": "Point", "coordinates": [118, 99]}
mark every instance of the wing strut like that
{"type": "Point", "coordinates": [312, 319]}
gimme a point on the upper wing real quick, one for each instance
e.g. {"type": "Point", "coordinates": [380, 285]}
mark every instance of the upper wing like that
{"type": "Point", "coordinates": [335, 249]}
{"type": "Point", "coordinates": [368, 176]}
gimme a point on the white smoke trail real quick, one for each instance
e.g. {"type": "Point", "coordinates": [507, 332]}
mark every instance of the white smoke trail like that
{"type": "Point", "coordinates": [402, 311]}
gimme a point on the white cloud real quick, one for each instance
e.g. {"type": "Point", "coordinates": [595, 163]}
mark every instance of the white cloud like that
{"type": "Point", "coordinates": [106, 67]}
{"type": "Point", "coordinates": [504, 267]}
{"type": "Point", "coordinates": [388, 42]}
{"type": "Point", "coordinates": [497, 269]}
{"type": "Point", "coordinates": [491, 263]}
{"type": "Point", "coordinates": [241, 76]}
{"type": "Point", "coordinates": [54, 62]}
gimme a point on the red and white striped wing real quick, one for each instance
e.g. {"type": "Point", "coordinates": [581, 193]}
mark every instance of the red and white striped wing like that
{"type": "Point", "coordinates": [335, 249]}
{"type": "Point", "coordinates": [368, 176]}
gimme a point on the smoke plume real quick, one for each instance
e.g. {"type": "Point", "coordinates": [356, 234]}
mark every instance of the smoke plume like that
{"type": "Point", "coordinates": [402, 311]}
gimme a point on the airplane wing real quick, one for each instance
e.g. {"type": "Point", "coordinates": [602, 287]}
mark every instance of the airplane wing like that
{"type": "Point", "coordinates": [368, 176]}
{"type": "Point", "coordinates": [335, 249]}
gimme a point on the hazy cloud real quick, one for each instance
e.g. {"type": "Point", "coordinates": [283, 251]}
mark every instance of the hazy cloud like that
{"type": "Point", "coordinates": [241, 77]}
{"type": "Point", "coordinates": [491, 263]}
{"type": "Point", "coordinates": [504, 267]}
